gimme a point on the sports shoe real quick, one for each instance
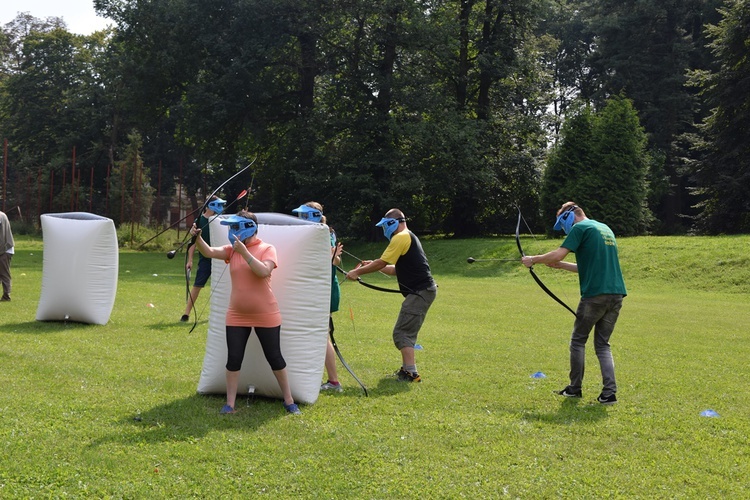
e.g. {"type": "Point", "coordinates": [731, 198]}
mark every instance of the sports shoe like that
{"type": "Point", "coordinates": [405, 376]}
{"type": "Point", "coordinates": [5, 298]}
{"type": "Point", "coordinates": [330, 386]}
{"type": "Point", "coordinates": [184, 318]}
{"type": "Point", "coordinates": [292, 408]}
{"type": "Point", "coordinates": [607, 400]}
{"type": "Point", "coordinates": [226, 409]}
{"type": "Point", "coordinates": [570, 393]}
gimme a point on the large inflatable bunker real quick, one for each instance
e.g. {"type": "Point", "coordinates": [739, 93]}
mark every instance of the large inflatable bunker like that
{"type": "Point", "coordinates": [79, 274]}
{"type": "Point", "coordinates": [302, 285]}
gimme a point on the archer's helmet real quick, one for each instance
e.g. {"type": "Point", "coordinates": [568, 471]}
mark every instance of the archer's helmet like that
{"type": "Point", "coordinates": [389, 225]}
{"type": "Point", "coordinates": [217, 205]}
{"type": "Point", "coordinates": [565, 220]}
{"type": "Point", "coordinates": [308, 213]}
{"type": "Point", "coordinates": [241, 227]}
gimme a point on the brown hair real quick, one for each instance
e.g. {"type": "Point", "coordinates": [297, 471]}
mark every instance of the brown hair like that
{"type": "Point", "coordinates": [570, 206]}
{"type": "Point", "coordinates": [319, 207]}
{"type": "Point", "coordinates": [248, 215]}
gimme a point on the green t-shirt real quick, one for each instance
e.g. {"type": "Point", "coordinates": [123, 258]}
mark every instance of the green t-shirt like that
{"type": "Point", "coordinates": [335, 288]}
{"type": "Point", "coordinates": [204, 225]}
{"type": "Point", "coordinates": [596, 255]}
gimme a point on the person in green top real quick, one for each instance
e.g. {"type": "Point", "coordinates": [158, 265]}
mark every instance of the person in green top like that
{"type": "Point", "coordinates": [602, 290]}
{"type": "Point", "coordinates": [313, 211]}
{"type": "Point", "coordinates": [214, 207]}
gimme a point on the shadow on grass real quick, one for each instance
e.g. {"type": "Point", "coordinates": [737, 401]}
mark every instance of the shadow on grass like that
{"type": "Point", "coordinates": [45, 326]}
{"type": "Point", "coordinates": [389, 385]}
{"type": "Point", "coordinates": [194, 417]}
{"type": "Point", "coordinates": [570, 411]}
{"type": "Point", "coordinates": [169, 325]}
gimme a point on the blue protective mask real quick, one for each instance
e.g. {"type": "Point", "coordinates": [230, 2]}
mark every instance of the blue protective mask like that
{"type": "Point", "coordinates": [217, 206]}
{"type": "Point", "coordinates": [389, 226]}
{"type": "Point", "coordinates": [240, 227]}
{"type": "Point", "coordinates": [308, 213]}
{"type": "Point", "coordinates": [565, 220]}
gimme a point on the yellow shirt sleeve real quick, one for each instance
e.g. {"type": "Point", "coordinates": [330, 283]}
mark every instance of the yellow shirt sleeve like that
{"type": "Point", "coordinates": [398, 246]}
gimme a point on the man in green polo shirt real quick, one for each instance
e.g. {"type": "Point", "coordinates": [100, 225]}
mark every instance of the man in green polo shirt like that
{"type": "Point", "coordinates": [602, 290]}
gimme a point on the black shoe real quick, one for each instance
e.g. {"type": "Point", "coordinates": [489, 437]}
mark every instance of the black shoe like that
{"type": "Point", "coordinates": [405, 376]}
{"type": "Point", "coordinates": [569, 393]}
{"type": "Point", "coordinates": [185, 317]}
{"type": "Point", "coordinates": [5, 298]}
{"type": "Point", "coordinates": [608, 400]}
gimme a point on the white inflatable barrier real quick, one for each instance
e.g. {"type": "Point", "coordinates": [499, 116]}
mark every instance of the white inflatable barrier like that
{"type": "Point", "coordinates": [302, 285]}
{"type": "Point", "coordinates": [80, 268]}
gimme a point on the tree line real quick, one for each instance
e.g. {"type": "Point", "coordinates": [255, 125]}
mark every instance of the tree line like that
{"type": "Point", "coordinates": [456, 111]}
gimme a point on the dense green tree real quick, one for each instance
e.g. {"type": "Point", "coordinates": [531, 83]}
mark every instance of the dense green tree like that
{"type": "Point", "coordinates": [723, 174]}
{"type": "Point", "coordinates": [130, 184]}
{"type": "Point", "coordinates": [616, 189]}
{"type": "Point", "coordinates": [50, 108]}
{"type": "Point", "coordinates": [345, 99]}
{"type": "Point", "coordinates": [644, 49]}
{"type": "Point", "coordinates": [441, 107]}
{"type": "Point", "coordinates": [601, 163]}
{"type": "Point", "coordinates": [573, 153]}
{"type": "Point", "coordinates": [13, 35]}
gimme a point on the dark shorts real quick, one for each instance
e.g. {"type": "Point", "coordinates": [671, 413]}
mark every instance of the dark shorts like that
{"type": "Point", "coordinates": [203, 273]}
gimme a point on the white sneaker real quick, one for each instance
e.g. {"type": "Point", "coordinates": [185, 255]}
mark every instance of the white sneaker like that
{"type": "Point", "coordinates": [331, 387]}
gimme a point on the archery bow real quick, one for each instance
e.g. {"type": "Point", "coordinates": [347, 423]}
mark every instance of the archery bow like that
{"type": "Point", "coordinates": [531, 268]}
{"type": "Point", "coordinates": [369, 285]}
{"type": "Point", "coordinates": [331, 328]}
{"type": "Point", "coordinates": [341, 358]}
{"type": "Point", "coordinates": [194, 238]}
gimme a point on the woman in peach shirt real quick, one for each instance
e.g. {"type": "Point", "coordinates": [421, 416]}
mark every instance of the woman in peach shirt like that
{"type": "Point", "coordinates": [252, 303]}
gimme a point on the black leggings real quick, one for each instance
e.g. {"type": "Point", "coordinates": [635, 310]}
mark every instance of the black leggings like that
{"type": "Point", "coordinates": [237, 337]}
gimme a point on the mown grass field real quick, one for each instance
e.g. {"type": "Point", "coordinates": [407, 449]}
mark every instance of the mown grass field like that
{"type": "Point", "coordinates": [112, 411]}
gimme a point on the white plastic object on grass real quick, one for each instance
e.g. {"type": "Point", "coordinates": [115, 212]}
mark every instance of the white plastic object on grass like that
{"type": "Point", "coordinates": [80, 268]}
{"type": "Point", "coordinates": [302, 286]}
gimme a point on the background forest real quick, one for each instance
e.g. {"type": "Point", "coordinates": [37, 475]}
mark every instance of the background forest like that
{"type": "Point", "coordinates": [456, 111]}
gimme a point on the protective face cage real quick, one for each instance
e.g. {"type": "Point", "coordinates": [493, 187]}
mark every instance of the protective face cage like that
{"type": "Point", "coordinates": [217, 205]}
{"type": "Point", "coordinates": [308, 213]}
{"type": "Point", "coordinates": [389, 226]}
{"type": "Point", "coordinates": [240, 227]}
{"type": "Point", "coordinates": [566, 219]}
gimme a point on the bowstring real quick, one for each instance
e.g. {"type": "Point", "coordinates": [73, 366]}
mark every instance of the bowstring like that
{"type": "Point", "coordinates": [213, 282]}
{"type": "Point", "coordinates": [557, 281]}
{"type": "Point", "coordinates": [348, 298]}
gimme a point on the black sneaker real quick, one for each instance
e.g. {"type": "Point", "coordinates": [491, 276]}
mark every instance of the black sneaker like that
{"type": "Point", "coordinates": [569, 393]}
{"type": "Point", "coordinates": [405, 376]}
{"type": "Point", "coordinates": [184, 318]}
{"type": "Point", "coordinates": [607, 400]}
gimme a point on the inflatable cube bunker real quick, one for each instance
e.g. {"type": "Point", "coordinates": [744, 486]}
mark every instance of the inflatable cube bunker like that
{"type": "Point", "coordinates": [79, 276]}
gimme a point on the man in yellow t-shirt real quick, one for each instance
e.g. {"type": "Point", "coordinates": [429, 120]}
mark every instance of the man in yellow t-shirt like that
{"type": "Point", "coordinates": [405, 259]}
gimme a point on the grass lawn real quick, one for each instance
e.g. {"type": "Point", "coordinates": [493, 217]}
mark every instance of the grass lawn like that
{"type": "Point", "coordinates": [112, 411]}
